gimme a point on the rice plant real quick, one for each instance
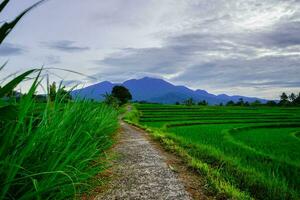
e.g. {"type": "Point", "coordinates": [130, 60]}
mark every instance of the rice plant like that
{"type": "Point", "coordinates": [241, 150]}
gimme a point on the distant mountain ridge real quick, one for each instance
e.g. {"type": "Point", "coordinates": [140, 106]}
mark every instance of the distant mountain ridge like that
{"type": "Point", "coordinates": [157, 91]}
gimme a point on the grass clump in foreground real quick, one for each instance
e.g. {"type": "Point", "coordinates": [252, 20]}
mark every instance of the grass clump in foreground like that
{"type": "Point", "coordinates": [51, 150]}
{"type": "Point", "coordinates": [241, 158]}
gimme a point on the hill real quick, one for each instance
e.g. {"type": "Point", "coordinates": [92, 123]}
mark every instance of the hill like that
{"type": "Point", "coordinates": [157, 91]}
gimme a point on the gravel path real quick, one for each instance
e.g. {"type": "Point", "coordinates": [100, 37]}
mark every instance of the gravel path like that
{"type": "Point", "coordinates": [141, 171]}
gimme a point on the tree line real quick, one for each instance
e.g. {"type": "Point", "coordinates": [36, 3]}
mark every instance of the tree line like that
{"type": "Point", "coordinates": [285, 100]}
{"type": "Point", "coordinates": [289, 100]}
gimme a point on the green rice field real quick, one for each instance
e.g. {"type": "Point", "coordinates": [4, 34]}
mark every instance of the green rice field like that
{"type": "Point", "coordinates": [245, 152]}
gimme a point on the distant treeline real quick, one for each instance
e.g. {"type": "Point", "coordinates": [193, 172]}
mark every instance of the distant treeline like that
{"type": "Point", "coordinates": [289, 100]}
{"type": "Point", "coordinates": [285, 100]}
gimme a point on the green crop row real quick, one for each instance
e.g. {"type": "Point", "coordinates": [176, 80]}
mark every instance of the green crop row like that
{"type": "Point", "coordinates": [241, 151]}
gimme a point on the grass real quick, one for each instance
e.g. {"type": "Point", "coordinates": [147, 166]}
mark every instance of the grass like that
{"type": "Point", "coordinates": [52, 150]}
{"type": "Point", "coordinates": [49, 150]}
{"type": "Point", "coordinates": [243, 152]}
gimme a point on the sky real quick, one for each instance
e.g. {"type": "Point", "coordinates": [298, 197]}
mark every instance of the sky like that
{"type": "Point", "coordinates": [244, 47]}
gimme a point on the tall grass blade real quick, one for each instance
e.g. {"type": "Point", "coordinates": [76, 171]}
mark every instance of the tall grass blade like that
{"type": "Point", "coordinates": [3, 4]}
{"type": "Point", "coordinates": [7, 27]}
{"type": "Point", "coordinates": [9, 87]}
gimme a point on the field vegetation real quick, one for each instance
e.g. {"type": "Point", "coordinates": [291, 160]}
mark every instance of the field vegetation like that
{"type": "Point", "coordinates": [52, 150]}
{"type": "Point", "coordinates": [51, 146]}
{"type": "Point", "coordinates": [245, 152]}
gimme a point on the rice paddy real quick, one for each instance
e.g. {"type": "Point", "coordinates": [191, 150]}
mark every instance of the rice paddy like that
{"type": "Point", "coordinates": [249, 152]}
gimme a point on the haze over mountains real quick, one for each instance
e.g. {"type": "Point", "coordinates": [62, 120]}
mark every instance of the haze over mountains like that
{"type": "Point", "coordinates": [157, 91]}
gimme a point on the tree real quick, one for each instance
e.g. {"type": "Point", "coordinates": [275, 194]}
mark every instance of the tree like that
{"type": "Point", "coordinates": [203, 103]}
{"type": "Point", "coordinates": [271, 103]}
{"type": "Point", "coordinates": [297, 100]}
{"type": "Point", "coordinates": [189, 102]}
{"type": "Point", "coordinates": [292, 97]}
{"type": "Point", "coordinates": [52, 91]}
{"type": "Point", "coordinates": [256, 103]}
{"type": "Point", "coordinates": [122, 94]}
{"type": "Point", "coordinates": [60, 93]}
{"type": "Point", "coordinates": [230, 103]}
{"type": "Point", "coordinates": [246, 103]}
{"type": "Point", "coordinates": [240, 102]}
{"type": "Point", "coordinates": [177, 103]}
{"type": "Point", "coordinates": [284, 99]}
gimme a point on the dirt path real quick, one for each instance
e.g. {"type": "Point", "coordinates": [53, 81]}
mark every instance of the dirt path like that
{"type": "Point", "coordinates": [141, 171]}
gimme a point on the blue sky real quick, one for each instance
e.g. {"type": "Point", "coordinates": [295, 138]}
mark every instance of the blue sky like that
{"type": "Point", "coordinates": [246, 47]}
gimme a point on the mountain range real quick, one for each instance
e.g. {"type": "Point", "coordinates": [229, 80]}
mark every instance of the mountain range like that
{"type": "Point", "coordinates": [157, 91]}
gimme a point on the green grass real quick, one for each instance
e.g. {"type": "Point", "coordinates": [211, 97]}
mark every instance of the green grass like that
{"type": "Point", "coordinates": [243, 151]}
{"type": "Point", "coordinates": [267, 139]}
{"type": "Point", "coordinates": [53, 150]}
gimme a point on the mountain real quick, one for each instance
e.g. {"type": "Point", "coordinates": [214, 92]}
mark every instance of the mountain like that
{"type": "Point", "coordinates": [158, 91]}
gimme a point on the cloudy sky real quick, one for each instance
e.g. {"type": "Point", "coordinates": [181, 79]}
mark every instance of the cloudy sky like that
{"type": "Point", "coordinates": [246, 47]}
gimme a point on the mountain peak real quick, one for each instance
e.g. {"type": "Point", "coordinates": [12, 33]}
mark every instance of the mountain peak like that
{"type": "Point", "coordinates": [155, 90]}
{"type": "Point", "coordinates": [147, 78]}
{"type": "Point", "coordinates": [105, 83]}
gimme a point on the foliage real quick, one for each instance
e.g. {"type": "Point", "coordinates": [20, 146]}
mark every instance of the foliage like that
{"type": "Point", "coordinates": [50, 151]}
{"type": "Point", "coordinates": [271, 103]}
{"type": "Point", "coordinates": [122, 94]}
{"type": "Point", "coordinates": [230, 103]}
{"type": "Point", "coordinates": [297, 100]}
{"type": "Point", "coordinates": [52, 91]}
{"type": "Point", "coordinates": [109, 99]}
{"type": "Point", "coordinates": [240, 102]}
{"type": "Point", "coordinates": [132, 116]}
{"type": "Point", "coordinates": [203, 103]}
{"type": "Point", "coordinates": [189, 102]}
{"type": "Point", "coordinates": [60, 94]}
{"type": "Point", "coordinates": [284, 99]}
{"type": "Point", "coordinates": [289, 100]}
{"type": "Point", "coordinates": [292, 97]}
{"type": "Point", "coordinates": [256, 103]}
